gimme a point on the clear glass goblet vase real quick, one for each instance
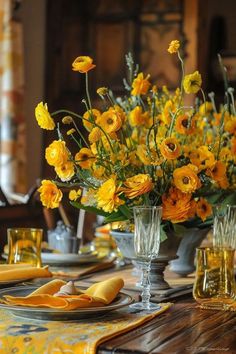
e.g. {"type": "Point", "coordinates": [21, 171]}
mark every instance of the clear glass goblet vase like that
{"type": "Point", "coordinates": [147, 221]}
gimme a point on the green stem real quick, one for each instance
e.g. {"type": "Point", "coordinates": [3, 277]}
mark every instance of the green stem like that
{"type": "Point", "coordinates": [183, 73]}
{"type": "Point", "coordinates": [87, 90]}
{"type": "Point", "coordinates": [87, 120]}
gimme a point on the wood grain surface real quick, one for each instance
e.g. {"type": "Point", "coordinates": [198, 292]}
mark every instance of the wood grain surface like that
{"type": "Point", "coordinates": [185, 328]}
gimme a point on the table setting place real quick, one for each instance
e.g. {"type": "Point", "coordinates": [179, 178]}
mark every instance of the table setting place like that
{"type": "Point", "coordinates": [44, 295]}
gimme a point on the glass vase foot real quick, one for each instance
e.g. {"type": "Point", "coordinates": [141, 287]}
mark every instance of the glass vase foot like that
{"type": "Point", "coordinates": [149, 306]}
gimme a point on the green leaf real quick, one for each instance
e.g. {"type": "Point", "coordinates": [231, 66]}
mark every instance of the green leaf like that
{"type": "Point", "coordinates": [163, 234]}
{"type": "Point", "coordinates": [89, 209]}
{"type": "Point", "coordinates": [179, 229]}
{"type": "Point", "coordinates": [115, 217]}
{"type": "Point", "coordinates": [126, 211]}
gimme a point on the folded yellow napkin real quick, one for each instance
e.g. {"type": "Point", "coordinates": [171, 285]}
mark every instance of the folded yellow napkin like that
{"type": "Point", "coordinates": [22, 271]}
{"type": "Point", "coordinates": [100, 294]}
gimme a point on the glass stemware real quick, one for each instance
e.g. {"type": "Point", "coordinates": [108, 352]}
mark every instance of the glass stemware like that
{"type": "Point", "coordinates": [224, 225]}
{"type": "Point", "coordinates": [147, 221]}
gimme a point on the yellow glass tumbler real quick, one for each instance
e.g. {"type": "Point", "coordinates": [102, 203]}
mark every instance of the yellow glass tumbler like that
{"type": "Point", "coordinates": [214, 286]}
{"type": "Point", "coordinates": [24, 246]}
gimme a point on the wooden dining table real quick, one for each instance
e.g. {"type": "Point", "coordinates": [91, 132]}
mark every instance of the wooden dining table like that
{"type": "Point", "coordinates": [183, 328]}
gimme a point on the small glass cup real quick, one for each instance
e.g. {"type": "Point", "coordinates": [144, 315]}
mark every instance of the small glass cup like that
{"type": "Point", "coordinates": [214, 286]}
{"type": "Point", "coordinates": [25, 246]}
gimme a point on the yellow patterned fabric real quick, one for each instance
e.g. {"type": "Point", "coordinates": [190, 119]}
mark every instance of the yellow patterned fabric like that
{"type": "Point", "coordinates": [28, 336]}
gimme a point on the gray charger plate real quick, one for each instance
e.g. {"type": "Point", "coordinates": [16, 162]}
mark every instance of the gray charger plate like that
{"type": "Point", "coordinates": [48, 314]}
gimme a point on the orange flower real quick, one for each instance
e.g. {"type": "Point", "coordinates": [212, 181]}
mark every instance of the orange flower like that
{"type": "Point", "coordinates": [185, 124]}
{"type": "Point", "coordinates": [176, 205]}
{"type": "Point", "coordinates": [203, 209]}
{"type": "Point", "coordinates": [137, 185]}
{"type": "Point", "coordinates": [140, 85]}
{"type": "Point", "coordinates": [218, 171]}
{"type": "Point", "coordinates": [233, 146]}
{"type": "Point", "coordinates": [84, 158]}
{"type": "Point", "coordinates": [185, 179]}
{"type": "Point", "coordinates": [170, 148]}
{"type": "Point", "coordinates": [50, 195]}
{"type": "Point", "coordinates": [83, 64]}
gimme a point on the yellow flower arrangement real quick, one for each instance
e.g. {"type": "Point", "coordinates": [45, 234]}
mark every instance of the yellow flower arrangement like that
{"type": "Point", "coordinates": [145, 148]}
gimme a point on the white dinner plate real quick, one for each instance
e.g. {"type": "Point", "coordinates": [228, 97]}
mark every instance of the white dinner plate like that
{"type": "Point", "coordinates": [64, 259]}
{"type": "Point", "coordinates": [49, 314]}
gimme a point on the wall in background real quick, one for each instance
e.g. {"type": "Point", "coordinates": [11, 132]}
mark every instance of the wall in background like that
{"type": "Point", "coordinates": [33, 14]}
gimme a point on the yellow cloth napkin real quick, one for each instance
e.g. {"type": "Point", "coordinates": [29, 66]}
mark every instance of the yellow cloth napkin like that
{"type": "Point", "coordinates": [22, 271]}
{"type": "Point", "coordinates": [100, 294]}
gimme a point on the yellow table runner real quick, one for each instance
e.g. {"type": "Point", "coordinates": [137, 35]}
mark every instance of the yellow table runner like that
{"type": "Point", "coordinates": [28, 336]}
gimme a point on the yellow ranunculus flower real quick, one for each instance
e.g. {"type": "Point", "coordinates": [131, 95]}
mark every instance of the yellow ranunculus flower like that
{"type": "Point", "coordinates": [139, 118]}
{"type": "Point", "coordinates": [176, 205]}
{"type": "Point", "coordinates": [110, 121]}
{"type": "Point", "coordinates": [203, 209]}
{"type": "Point", "coordinates": [173, 47]}
{"type": "Point", "coordinates": [56, 153]}
{"type": "Point", "coordinates": [205, 108]}
{"type": "Point", "coordinates": [98, 172]}
{"type": "Point", "coordinates": [192, 82]}
{"type": "Point", "coordinates": [83, 64]}
{"type": "Point", "coordinates": [202, 158]}
{"type": "Point", "coordinates": [66, 171]}
{"type": "Point", "coordinates": [137, 185]}
{"type": "Point", "coordinates": [43, 117]}
{"type": "Point", "coordinates": [170, 148]}
{"type": "Point", "coordinates": [140, 85]}
{"type": "Point", "coordinates": [185, 124]}
{"type": "Point", "coordinates": [185, 179]}
{"type": "Point", "coordinates": [230, 126]}
{"type": "Point", "coordinates": [107, 196]}
{"type": "Point", "coordinates": [84, 158]}
{"type": "Point", "coordinates": [91, 117]}
{"type": "Point", "coordinates": [50, 195]}
{"type": "Point", "coordinates": [218, 174]}
{"type": "Point", "coordinates": [95, 135]}
{"type": "Point", "coordinates": [74, 194]}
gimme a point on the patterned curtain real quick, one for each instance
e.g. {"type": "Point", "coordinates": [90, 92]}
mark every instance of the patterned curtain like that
{"type": "Point", "coordinates": [12, 123]}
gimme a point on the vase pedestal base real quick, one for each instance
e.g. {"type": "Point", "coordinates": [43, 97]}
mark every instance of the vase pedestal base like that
{"type": "Point", "coordinates": [156, 275]}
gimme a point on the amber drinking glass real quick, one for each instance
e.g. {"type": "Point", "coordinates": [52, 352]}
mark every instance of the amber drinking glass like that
{"type": "Point", "coordinates": [214, 286]}
{"type": "Point", "coordinates": [25, 246]}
